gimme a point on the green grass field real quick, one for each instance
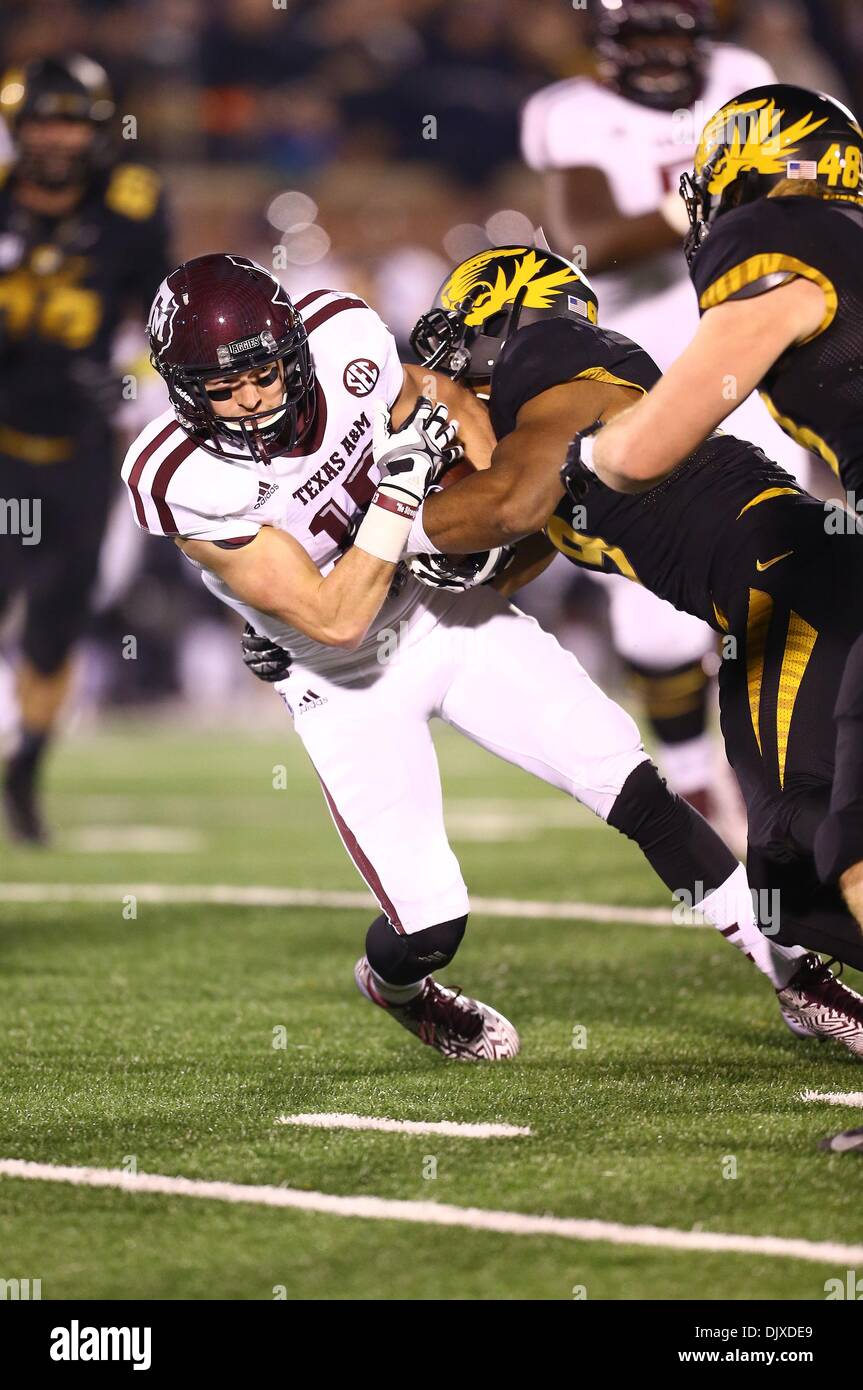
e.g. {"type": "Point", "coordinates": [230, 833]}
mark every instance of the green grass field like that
{"type": "Point", "coordinates": [149, 1040]}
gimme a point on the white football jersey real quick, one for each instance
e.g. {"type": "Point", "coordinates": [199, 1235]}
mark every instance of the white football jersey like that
{"type": "Point", "coordinates": [177, 488]}
{"type": "Point", "coordinates": [642, 152]}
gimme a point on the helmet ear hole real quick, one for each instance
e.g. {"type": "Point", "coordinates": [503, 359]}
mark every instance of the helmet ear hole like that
{"type": "Point", "coordinates": [494, 325]}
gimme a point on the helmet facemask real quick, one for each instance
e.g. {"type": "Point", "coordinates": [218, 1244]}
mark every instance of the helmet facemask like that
{"type": "Point", "coordinates": [630, 41]}
{"type": "Point", "coordinates": [442, 338]}
{"type": "Point", "coordinates": [279, 428]}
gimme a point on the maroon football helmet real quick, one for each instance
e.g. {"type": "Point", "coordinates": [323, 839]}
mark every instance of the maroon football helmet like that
{"type": "Point", "coordinates": [220, 314]}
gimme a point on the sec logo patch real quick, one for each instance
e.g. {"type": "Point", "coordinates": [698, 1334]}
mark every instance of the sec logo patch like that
{"type": "Point", "coordinates": [360, 376]}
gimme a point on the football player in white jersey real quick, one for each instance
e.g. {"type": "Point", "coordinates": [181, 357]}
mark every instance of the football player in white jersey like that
{"type": "Point", "coordinates": [289, 469]}
{"type": "Point", "coordinates": [611, 152]}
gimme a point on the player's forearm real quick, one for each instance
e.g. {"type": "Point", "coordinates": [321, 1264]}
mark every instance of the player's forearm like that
{"type": "Point", "coordinates": [276, 576]}
{"type": "Point", "coordinates": [473, 514]}
{"type": "Point", "coordinates": [336, 609]}
{"type": "Point", "coordinates": [346, 602]}
{"type": "Point", "coordinates": [645, 443]}
{"type": "Point", "coordinates": [734, 348]}
{"type": "Point", "coordinates": [497, 507]}
{"type": "Point", "coordinates": [630, 456]}
{"type": "Point", "coordinates": [475, 432]}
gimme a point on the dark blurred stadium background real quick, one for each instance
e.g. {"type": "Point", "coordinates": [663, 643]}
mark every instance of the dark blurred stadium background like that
{"type": "Point", "coordinates": [304, 125]}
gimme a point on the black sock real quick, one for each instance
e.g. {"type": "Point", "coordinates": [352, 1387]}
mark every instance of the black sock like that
{"type": "Point", "coordinates": [24, 762]}
{"type": "Point", "coordinates": [676, 841]}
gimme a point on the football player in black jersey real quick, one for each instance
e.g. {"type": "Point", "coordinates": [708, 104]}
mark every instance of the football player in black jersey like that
{"type": "Point", "coordinates": [82, 241]}
{"type": "Point", "coordinates": [519, 326]}
{"type": "Point", "coordinates": [776, 257]}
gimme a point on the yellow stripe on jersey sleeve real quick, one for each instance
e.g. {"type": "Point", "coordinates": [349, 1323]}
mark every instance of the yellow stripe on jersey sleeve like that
{"type": "Point", "coordinates": [802, 435]}
{"type": "Point", "coordinates": [768, 263]}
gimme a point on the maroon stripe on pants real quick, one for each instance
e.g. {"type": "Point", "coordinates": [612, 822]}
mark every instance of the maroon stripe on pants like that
{"type": "Point", "coordinates": [139, 465]}
{"type": "Point", "coordinates": [363, 863]}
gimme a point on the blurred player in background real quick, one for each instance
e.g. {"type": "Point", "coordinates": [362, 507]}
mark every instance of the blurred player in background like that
{"type": "Point", "coordinates": [82, 242]}
{"type": "Point", "coordinates": [776, 209]}
{"type": "Point", "coordinates": [611, 151]}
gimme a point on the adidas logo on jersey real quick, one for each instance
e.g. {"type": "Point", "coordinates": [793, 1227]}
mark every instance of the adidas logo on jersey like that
{"type": "Point", "coordinates": [311, 700]}
{"type": "Point", "coordinates": [265, 492]}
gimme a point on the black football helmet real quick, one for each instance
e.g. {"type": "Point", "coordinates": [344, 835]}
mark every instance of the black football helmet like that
{"type": "Point", "coordinates": [653, 52]}
{"type": "Point", "coordinates": [68, 88]}
{"type": "Point", "coordinates": [764, 136]}
{"type": "Point", "coordinates": [489, 297]}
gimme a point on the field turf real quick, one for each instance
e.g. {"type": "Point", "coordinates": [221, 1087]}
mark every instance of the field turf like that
{"type": "Point", "coordinates": [154, 1041]}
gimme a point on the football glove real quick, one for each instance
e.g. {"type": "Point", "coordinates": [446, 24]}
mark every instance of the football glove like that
{"type": "Point", "coordinates": [411, 456]}
{"type": "Point", "coordinates": [264, 657]}
{"type": "Point", "coordinates": [458, 572]}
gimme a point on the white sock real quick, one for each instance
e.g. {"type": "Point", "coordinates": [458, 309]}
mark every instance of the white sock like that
{"type": "Point", "coordinates": [395, 994]}
{"type": "Point", "coordinates": [729, 908]}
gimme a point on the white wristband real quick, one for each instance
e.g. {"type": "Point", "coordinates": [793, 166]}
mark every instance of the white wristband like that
{"type": "Point", "coordinates": [385, 528]}
{"type": "Point", "coordinates": [585, 452]}
{"type": "Point", "coordinates": [418, 542]}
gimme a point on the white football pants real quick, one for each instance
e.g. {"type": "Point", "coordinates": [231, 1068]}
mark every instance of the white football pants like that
{"type": "Point", "coordinates": [492, 673]}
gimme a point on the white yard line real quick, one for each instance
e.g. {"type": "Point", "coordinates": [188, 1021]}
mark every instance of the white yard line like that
{"type": "Point", "coordinates": [440, 1214]}
{"type": "Point", "coordinates": [451, 1128]}
{"type": "Point", "coordinates": [227, 895]}
{"type": "Point", "coordinates": [133, 839]}
{"type": "Point", "coordinates": [852, 1098]}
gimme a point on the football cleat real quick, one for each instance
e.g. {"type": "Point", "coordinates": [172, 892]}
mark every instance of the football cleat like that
{"type": "Point", "coordinates": [816, 1003]}
{"type": "Point", "coordinates": [793, 1024]}
{"type": "Point", "coordinates": [447, 1020]}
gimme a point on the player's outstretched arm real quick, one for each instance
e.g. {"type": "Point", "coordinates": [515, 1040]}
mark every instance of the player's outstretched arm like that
{"type": "Point", "coordinates": [736, 344]}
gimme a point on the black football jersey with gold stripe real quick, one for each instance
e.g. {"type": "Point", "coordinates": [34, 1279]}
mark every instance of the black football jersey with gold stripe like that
{"type": "Point", "coordinates": [699, 536]}
{"type": "Point", "coordinates": [66, 283]}
{"type": "Point", "coordinates": [814, 390]}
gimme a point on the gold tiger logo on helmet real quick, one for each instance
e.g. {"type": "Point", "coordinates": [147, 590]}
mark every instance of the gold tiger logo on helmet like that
{"type": "Point", "coordinates": [767, 145]}
{"type": "Point", "coordinates": [490, 293]}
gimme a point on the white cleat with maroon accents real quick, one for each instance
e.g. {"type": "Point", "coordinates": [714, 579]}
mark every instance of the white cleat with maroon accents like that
{"type": "Point", "coordinates": [816, 1004]}
{"type": "Point", "coordinates": [447, 1020]}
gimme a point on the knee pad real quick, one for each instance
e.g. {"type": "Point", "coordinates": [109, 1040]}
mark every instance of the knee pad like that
{"type": "Point", "coordinates": [403, 960]}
